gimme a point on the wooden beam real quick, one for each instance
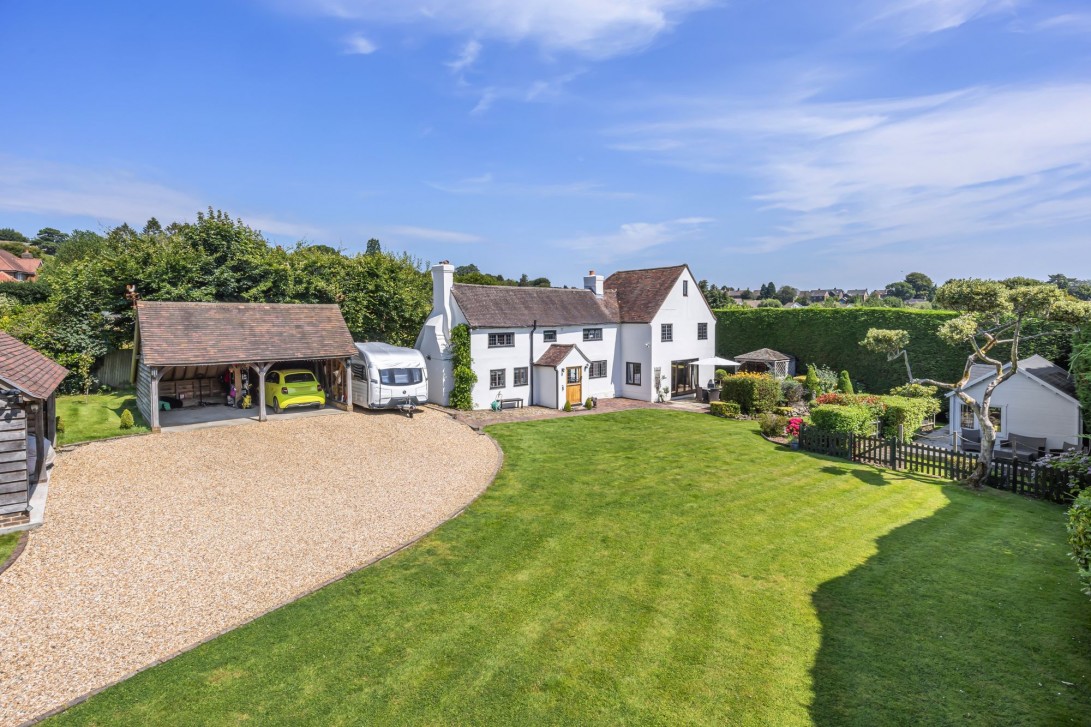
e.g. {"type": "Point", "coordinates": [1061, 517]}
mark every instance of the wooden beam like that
{"type": "Point", "coordinates": [153, 386]}
{"type": "Point", "coordinates": [348, 383]}
{"type": "Point", "coordinates": [39, 439]}
{"type": "Point", "coordinates": [263, 369]}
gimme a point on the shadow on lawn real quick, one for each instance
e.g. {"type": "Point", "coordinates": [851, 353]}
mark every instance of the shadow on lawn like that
{"type": "Point", "coordinates": [954, 619]}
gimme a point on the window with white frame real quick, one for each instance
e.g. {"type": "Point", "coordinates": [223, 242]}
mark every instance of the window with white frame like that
{"type": "Point", "coordinates": [592, 334]}
{"type": "Point", "coordinates": [666, 332]}
{"type": "Point", "coordinates": [501, 340]}
{"type": "Point", "coordinates": [496, 378]}
{"type": "Point", "coordinates": [702, 331]}
{"type": "Point", "coordinates": [520, 376]}
{"type": "Point", "coordinates": [632, 373]}
{"type": "Point", "coordinates": [549, 336]}
{"type": "Point", "coordinates": [598, 370]}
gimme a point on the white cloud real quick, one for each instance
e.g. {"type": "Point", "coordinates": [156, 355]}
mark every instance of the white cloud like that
{"type": "Point", "coordinates": [359, 45]}
{"type": "Point", "coordinates": [1066, 23]}
{"type": "Point", "coordinates": [916, 17]}
{"type": "Point", "coordinates": [593, 28]}
{"type": "Point", "coordinates": [427, 233]}
{"type": "Point", "coordinates": [486, 184]}
{"type": "Point", "coordinates": [108, 195]}
{"type": "Point", "coordinates": [466, 57]}
{"type": "Point", "coordinates": [876, 173]}
{"type": "Point", "coordinates": [635, 237]}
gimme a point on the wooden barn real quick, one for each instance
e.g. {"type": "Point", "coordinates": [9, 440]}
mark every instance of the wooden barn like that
{"type": "Point", "coordinates": [28, 428]}
{"type": "Point", "coordinates": [184, 352]}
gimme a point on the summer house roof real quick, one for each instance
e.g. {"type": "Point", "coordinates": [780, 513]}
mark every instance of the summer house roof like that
{"type": "Point", "coordinates": [23, 368]}
{"type": "Point", "coordinates": [763, 354]}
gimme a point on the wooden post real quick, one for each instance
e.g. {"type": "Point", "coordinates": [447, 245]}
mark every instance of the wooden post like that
{"type": "Point", "coordinates": [39, 439]}
{"type": "Point", "coordinates": [263, 369]}
{"type": "Point", "coordinates": [156, 375]}
{"type": "Point", "coordinates": [348, 384]}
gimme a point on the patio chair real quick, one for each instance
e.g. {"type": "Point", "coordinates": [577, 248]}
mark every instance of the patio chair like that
{"type": "Point", "coordinates": [1026, 449]}
{"type": "Point", "coordinates": [970, 440]}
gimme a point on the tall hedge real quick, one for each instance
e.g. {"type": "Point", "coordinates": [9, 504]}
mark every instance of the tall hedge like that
{"type": "Point", "coordinates": [831, 336]}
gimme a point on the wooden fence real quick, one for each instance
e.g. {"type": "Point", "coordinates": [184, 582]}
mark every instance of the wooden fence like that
{"type": "Point", "coordinates": [1024, 478]}
{"type": "Point", "coordinates": [115, 369]}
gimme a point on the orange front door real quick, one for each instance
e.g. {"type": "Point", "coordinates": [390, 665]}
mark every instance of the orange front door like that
{"type": "Point", "coordinates": [575, 385]}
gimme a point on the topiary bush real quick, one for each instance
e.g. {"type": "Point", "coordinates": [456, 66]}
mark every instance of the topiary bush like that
{"type": "Point", "coordinates": [127, 421]}
{"type": "Point", "coordinates": [754, 393]}
{"type": "Point", "coordinates": [850, 419]}
{"type": "Point", "coordinates": [725, 409]}
{"type": "Point", "coordinates": [772, 425]}
{"type": "Point", "coordinates": [60, 424]}
{"type": "Point", "coordinates": [811, 383]}
{"type": "Point", "coordinates": [1079, 537]}
{"type": "Point", "coordinates": [844, 383]}
{"type": "Point", "coordinates": [568, 406]}
{"type": "Point", "coordinates": [590, 403]}
{"type": "Point", "coordinates": [462, 390]}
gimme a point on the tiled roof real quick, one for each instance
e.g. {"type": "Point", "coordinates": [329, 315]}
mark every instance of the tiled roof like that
{"type": "Point", "coordinates": [25, 369]}
{"type": "Point", "coordinates": [1042, 368]}
{"type": "Point", "coordinates": [499, 306]}
{"type": "Point", "coordinates": [555, 354]}
{"type": "Point", "coordinates": [762, 354]}
{"type": "Point", "coordinates": [14, 263]}
{"type": "Point", "coordinates": [190, 334]}
{"type": "Point", "coordinates": [640, 293]}
{"type": "Point", "coordinates": [5, 278]}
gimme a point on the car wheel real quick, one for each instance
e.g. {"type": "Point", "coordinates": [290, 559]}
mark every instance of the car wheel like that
{"type": "Point", "coordinates": [276, 405]}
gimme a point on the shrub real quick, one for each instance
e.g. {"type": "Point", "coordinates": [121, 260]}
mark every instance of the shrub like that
{"type": "Point", "coordinates": [60, 425]}
{"type": "Point", "coordinates": [784, 411]}
{"type": "Point", "coordinates": [568, 406]}
{"type": "Point", "coordinates": [589, 404]}
{"type": "Point", "coordinates": [1079, 537]}
{"type": "Point", "coordinates": [827, 379]}
{"type": "Point", "coordinates": [725, 409]}
{"type": "Point", "coordinates": [772, 425]}
{"type": "Point", "coordinates": [907, 413]}
{"type": "Point", "coordinates": [794, 425]}
{"type": "Point", "coordinates": [127, 420]}
{"type": "Point", "coordinates": [844, 383]}
{"type": "Point", "coordinates": [770, 303]}
{"type": "Point", "coordinates": [1076, 466]}
{"type": "Point", "coordinates": [721, 374]}
{"type": "Point", "coordinates": [850, 419]}
{"type": "Point", "coordinates": [811, 382]}
{"type": "Point", "coordinates": [462, 389]}
{"type": "Point", "coordinates": [915, 391]}
{"type": "Point", "coordinates": [754, 393]}
{"type": "Point", "coordinates": [791, 391]}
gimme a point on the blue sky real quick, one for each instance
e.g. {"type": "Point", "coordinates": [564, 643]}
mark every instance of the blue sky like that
{"type": "Point", "coordinates": [814, 144]}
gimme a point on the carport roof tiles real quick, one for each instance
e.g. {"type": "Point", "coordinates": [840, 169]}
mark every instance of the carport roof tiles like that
{"type": "Point", "coordinates": [192, 334]}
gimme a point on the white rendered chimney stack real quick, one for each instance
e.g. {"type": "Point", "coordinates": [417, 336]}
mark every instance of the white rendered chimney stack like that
{"type": "Point", "coordinates": [443, 278]}
{"type": "Point", "coordinates": [593, 283]}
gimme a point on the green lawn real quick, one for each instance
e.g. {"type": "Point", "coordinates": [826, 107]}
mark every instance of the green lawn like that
{"type": "Point", "coordinates": [97, 416]}
{"type": "Point", "coordinates": [653, 567]}
{"type": "Point", "coordinates": [7, 544]}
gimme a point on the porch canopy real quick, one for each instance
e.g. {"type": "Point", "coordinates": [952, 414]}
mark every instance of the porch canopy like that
{"type": "Point", "coordinates": [191, 345]}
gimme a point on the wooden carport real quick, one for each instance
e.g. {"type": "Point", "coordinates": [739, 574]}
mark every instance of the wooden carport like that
{"type": "Point", "coordinates": [195, 339]}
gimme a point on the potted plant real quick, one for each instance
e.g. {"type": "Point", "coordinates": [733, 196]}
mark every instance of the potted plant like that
{"type": "Point", "coordinates": [792, 430]}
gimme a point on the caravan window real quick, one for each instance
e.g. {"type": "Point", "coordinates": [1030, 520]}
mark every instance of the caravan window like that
{"type": "Point", "coordinates": [359, 372]}
{"type": "Point", "coordinates": [400, 377]}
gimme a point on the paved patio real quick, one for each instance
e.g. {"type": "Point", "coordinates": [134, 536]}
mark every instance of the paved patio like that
{"type": "Point", "coordinates": [154, 543]}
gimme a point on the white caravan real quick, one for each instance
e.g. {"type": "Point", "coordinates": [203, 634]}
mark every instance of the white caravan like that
{"type": "Point", "coordinates": [388, 377]}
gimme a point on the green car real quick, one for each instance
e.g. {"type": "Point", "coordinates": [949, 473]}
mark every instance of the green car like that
{"type": "Point", "coordinates": [293, 387]}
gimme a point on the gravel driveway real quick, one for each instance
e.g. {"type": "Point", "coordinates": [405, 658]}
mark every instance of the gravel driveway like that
{"type": "Point", "coordinates": [154, 543]}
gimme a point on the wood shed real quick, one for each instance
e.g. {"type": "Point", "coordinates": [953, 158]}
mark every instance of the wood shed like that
{"type": "Point", "coordinates": [28, 427]}
{"type": "Point", "coordinates": [185, 352]}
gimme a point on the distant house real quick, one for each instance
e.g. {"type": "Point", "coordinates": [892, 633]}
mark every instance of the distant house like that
{"type": "Point", "coordinates": [816, 296]}
{"type": "Point", "coordinates": [632, 335]}
{"type": "Point", "coordinates": [855, 293]}
{"type": "Point", "coordinates": [794, 304]}
{"type": "Point", "coordinates": [28, 428]}
{"type": "Point", "coordinates": [18, 268]}
{"type": "Point", "coordinates": [1039, 401]}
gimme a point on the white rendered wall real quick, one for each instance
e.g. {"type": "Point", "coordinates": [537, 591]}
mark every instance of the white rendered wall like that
{"type": "Point", "coordinates": [1030, 409]}
{"type": "Point", "coordinates": [684, 312]}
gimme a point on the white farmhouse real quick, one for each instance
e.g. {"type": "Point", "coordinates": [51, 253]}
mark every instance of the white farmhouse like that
{"type": "Point", "coordinates": [1038, 401]}
{"type": "Point", "coordinates": [628, 336]}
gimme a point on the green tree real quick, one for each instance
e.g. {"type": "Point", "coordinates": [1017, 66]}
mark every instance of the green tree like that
{"type": "Point", "coordinates": [923, 287]}
{"type": "Point", "coordinates": [811, 383]}
{"type": "Point", "coordinates": [786, 294]}
{"type": "Point", "coordinates": [49, 239]}
{"type": "Point", "coordinates": [12, 235]}
{"type": "Point", "coordinates": [770, 303]}
{"type": "Point", "coordinates": [844, 383]}
{"type": "Point", "coordinates": [901, 289]}
{"type": "Point", "coordinates": [373, 247]}
{"type": "Point", "coordinates": [991, 315]}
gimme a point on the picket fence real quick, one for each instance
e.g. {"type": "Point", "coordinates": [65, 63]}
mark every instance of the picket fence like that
{"type": "Point", "coordinates": [1023, 478]}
